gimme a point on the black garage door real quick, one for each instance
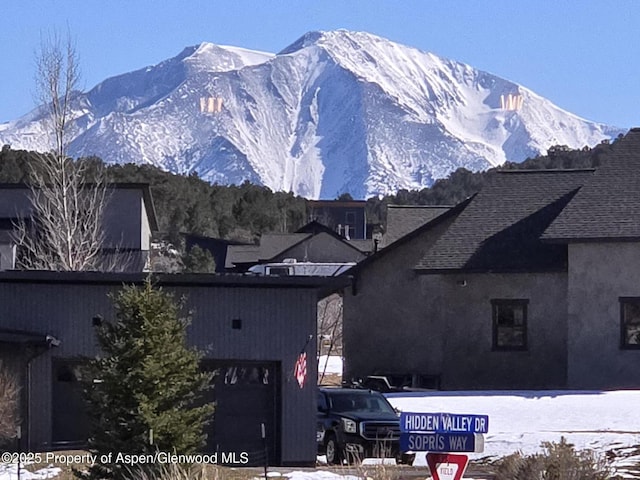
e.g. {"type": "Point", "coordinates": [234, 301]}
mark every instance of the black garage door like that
{"type": "Point", "coordinates": [247, 403]}
{"type": "Point", "coordinates": [71, 426]}
{"type": "Point", "coordinates": [246, 396]}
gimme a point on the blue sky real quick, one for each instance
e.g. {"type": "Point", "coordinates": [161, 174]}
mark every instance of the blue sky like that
{"type": "Point", "coordinates": [583, 55]}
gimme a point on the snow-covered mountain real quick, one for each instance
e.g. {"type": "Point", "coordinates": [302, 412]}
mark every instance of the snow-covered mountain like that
{"type": "Point", "coordinates": [334, 112]}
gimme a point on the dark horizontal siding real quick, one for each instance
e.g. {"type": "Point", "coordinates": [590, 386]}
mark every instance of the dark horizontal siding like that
{"type": "Point", "coordinates": [276, 322]}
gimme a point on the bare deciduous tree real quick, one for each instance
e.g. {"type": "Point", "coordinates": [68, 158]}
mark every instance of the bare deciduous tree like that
{"type": "Point", "coordinates": [64, 230]}
{"type": "Point", "coordinates": [9, 401]}
{"type": "Point", "coordinates": [57, 79]}
{"type": "Point", "coordinates": [329, 331]}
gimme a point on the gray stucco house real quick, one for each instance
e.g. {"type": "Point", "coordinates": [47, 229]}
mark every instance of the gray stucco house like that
{"type": "Point", "coordinates": [250, 329]}
{"type": "Point", "coordinates": [532, 283]}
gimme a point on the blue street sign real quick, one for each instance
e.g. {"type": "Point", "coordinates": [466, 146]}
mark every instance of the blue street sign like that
{"type": "Point", "coordinates": [441, 442]}
{"type": "Point", "coordinates": [443, 423]}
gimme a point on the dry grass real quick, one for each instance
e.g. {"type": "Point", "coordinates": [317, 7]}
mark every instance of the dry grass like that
{"type": "Point", "coordinates": [379, 472]}
{"type": "Point", "coordinates": [66, 470]}
{"type": "Point", "coordinates": [9, 402]}
{"type": "Point", "coordinates": [332, 379]}
{"type": "Point", "coordinates": [190, 472]}
{"type": "Point", "coordinates": [560, 461]}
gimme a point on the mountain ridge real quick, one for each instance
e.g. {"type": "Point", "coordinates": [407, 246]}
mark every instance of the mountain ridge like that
{"type": "Point", "coordinates": [333, 112]}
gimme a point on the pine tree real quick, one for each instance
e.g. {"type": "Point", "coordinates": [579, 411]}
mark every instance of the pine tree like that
{"type": "Point", "coordinates": [147, 383]}
{"type": "Point", "coordinates": [198, 260]}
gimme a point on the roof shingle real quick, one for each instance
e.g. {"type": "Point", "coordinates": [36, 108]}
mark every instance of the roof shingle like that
{"type": "Point", "coordinates": [272, 244]}
{"type": "Point", "coordinates": [402, 219]}
{"type": "Point", "coordinates": [500, 229]}
{"type": "Point", "coordinates": [608, 206]}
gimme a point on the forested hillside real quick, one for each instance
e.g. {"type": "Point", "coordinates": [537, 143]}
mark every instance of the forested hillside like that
{"type": "Point", "coordinates": [189, 204]}
{"type": "Point", "coordinates": [243, 212]}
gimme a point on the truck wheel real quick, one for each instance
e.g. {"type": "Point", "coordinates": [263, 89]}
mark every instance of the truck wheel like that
{"type": "Point", "coordinates": [334, 454]}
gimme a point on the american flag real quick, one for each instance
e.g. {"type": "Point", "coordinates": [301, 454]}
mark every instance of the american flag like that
{"type": "Point", "coordinates": [300, 371]}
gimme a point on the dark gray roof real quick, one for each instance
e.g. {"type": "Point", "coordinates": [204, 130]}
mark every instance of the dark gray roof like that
{"type": "Point", "coordinates": [272, 244]}
{"type": "Point", "coordinates": [608, 206]}
{"type": "Point", "coordinates": [239, 254]}
{"type": "Point", "coordinates": [323, 285]}
{"type": "Point", "coordinates": [453, 212]}
{"type": "Point", "coordinates": [402, 219]}
{"type": "Point", "coordinates": [364, 245]}
{"type": "Point", "coordinates": [500, 229]}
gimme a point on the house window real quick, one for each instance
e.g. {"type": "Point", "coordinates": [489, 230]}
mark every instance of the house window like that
{"type": "Point", "coordinates": [509, 324]}
{"type": "Point", "coordinates": [350, 218]}
{"type": "Point", "coordinates": [630, 322]}
{"type": "Point", "coordinates": [350, 224]}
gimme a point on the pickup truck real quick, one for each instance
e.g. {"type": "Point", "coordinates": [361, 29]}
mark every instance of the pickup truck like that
{"type": "Point", "coordinates": [354, 424]}
{"type": "Point", "coordinates": [399, 383]}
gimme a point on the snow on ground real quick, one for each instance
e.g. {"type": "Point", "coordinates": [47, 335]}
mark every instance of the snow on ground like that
{"type": "Point", "coordinates": [330, 364]}
{"type": "Point", "coordinates": [518, 421]}
{"type": "Point", "coordinates": [522, 420]}
{"type": "Point", "coordinates": [319, 475]}
{"type": "Point", "coordinates": [10, 472]}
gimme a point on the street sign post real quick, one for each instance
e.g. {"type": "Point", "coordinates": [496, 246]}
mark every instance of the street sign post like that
{"type": "Point", "coordinates": [444, 423]}
{"type": "Point", "coordinates": [439, 434]}
{"type": "Point", "coordinates": [441, 442]}
{"type": "Point", "coordinates": [447, 466]}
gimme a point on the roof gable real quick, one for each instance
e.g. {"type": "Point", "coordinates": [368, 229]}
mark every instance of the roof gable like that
{"type": "Point", "coordinates": [315, 227]}
{"type": "Point", "coordinates": [450, 214]}
{"type": "Point", "coordinates": [272, 244]}
{"type": "Point", "coordinates": [321, 248]}
{"type": "Point", "coordinates": [500, 230]}
{"type": "Point", "coordinates": [402, 219]}
{"type": "Point", "coordinates": [608, 206]}
{"type": "Point", "coordinates": [241, 254]}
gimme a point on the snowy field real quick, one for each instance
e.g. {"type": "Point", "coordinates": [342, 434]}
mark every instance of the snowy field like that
{"type": "Point", "coordinates": [522, 420]}
{"type": "Point", "coordinates": [518, 421]}
{"type": "Point", "coordinates": [10, 472]}
{"type": "Point", "coordinates": [330, 364]}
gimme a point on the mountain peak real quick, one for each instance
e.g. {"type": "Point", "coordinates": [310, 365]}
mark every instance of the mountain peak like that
{"type": "Point", "coordinates": [309, 38]}
{"type": "Point", "coordinates": [351, 112]}
{"type": "Point", "coordinates": [329, 38]}
{"type": "Point", "coordinates": [219, 58]}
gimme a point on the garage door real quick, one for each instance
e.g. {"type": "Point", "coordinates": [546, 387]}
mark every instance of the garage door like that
{"type": "Point", "coordinates": [70, 428]}
{"type": "Point", "coordinates": [246, 396]}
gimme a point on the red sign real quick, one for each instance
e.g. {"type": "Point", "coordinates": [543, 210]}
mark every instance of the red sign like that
{"type": "Point", "coordinates": [447, 466]}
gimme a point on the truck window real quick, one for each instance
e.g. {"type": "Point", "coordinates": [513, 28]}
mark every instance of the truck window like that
{"type": "Point", "coordinates": [284, 271]}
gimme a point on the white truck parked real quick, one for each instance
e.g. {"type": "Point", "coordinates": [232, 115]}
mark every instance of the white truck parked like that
{"type": "Point", "coordinates": [291, 267]}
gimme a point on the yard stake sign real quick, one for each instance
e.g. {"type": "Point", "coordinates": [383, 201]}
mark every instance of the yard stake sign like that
{"type": "Point", "coordinates": [440, 434]}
